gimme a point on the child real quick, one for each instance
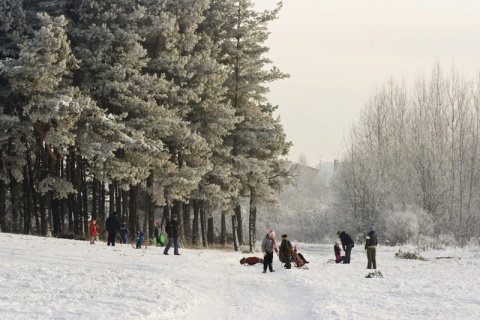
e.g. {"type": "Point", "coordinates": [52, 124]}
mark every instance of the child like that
{"type": "Point", "coordinates": [299, 254]}
{"type": "Point", "coordinates": [268, 246]}
{"type": "Point", "coordinates": [338, 258]}
{"type": "Point", "coordinates": [158, 236]}
{"type": "Point", "coordinates": [139, 240]}
{"type": "Point", "coordinates": [123, 233]}
{"type": "Point", "coordinates": [92, 229]}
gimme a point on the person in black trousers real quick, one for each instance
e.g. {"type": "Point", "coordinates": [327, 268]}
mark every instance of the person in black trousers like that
{"type": "Point", "coordinates": [112, 225]}
{"type": "Point", "coordinates": [347, 245]}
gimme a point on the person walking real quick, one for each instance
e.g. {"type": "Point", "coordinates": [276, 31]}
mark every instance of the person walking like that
{"type": "Point", "coordinates": [347, 245]}
{"type": "Point", "coordinates": [268, 246]}
{"type": "Point", "coordinates": [172, 231]}
{"type": "Point", "coordinates": [112, 225]}
{"type": "Point", "coordinates": [371, 248]}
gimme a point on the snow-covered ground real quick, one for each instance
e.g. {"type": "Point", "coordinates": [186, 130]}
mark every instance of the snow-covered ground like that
{"type": "Point", "coordinates": [48, 278]}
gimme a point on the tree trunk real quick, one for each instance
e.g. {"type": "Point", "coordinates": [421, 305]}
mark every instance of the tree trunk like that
{"type": "Point", "coordinates": [134, 221]}
{"type": "Point", "coordinates": [211, 232]}
{"type": "Point", "coordinates": [187, 224]}
{"type": "Point", "coordinates": [223, 230]}
{"type": "Point", "coordinates": [195, 227]}
{"type": "Point", "coordinates": [3, 206]}
{"type": "Point", "coordinates": [238, 214]}
{"type": "Point", "coordinates": [234, 234]}
{"type": "Point", "coordinates": [252, 223]}
{"type": "Point", "coordinates": [150, 206]}
{"type": "Point", "coordinates": [27, 194]}
{"type": "Point", "coordinates": [203, 226]}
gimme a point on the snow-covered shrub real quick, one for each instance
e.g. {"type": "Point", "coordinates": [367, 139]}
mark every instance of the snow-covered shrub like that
{"type": "Point", "coordinates": [401, 226]}
{"type": "Point", "coordinates": [445, 240]}
{"type": "Point", "coordinates": [473, 244]}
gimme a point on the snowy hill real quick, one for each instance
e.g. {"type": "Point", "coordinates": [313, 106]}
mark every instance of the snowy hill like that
{"type": "Point", "coordinates": [48, 278]}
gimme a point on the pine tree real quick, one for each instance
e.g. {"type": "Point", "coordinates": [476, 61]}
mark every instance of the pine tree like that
{"type": "Point", "coordinates": [239, 33]}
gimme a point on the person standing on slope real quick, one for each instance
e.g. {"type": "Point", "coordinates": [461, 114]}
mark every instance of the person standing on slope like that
{"type": "Point", "coordinates": [112, 225]}
{"type": "Point", "coordinates": [285, 252]}
{"type": "Point", "coordinates": [371, 248]}
{"type": "Point", "coordinates": [268, 246]}
{"type": "Point", "coordinates": [347, 245]}
{"type": "Point", "coordinates": [123, 233]}
{"type": "Point", "coordinates": [92, 230]}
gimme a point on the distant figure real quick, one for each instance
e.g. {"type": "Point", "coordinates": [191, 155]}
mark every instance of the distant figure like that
{"type": "Point", "coordinates": [123, 233]}
{"type": "Point", "coordinates": [172, 231]}
{"type": "Point", "coordinates": [337, 250]}
{"type": "Point", "coordinates": [294, 246]}
{"type": "Point", "coordinates": [138, 241]}
{"type": "Point", "coordinates": [112, 225]}
{"type": "Point", "coordinates": [92, 230]}
{"type": "Point", "coordinates": [347, 245]}
{"type": "Point", "coordinates": [371, 247]}
{"type": "Point", "coordinates": [268, 246]}
{"type": "Point", "coordinates": [285, 252]}
{"type": "Point", "coordinates": [158, 237]}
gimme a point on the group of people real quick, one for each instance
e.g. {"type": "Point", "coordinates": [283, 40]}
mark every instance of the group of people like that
{"type": "Point", "coordinates": [112, 225]}
{"type": "Point", "coordinates": [287, 252]}
{"type": "Point", "coordinates": [371, 243]}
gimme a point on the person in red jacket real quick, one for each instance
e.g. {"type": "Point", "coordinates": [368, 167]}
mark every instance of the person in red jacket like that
{"type": "Point", "coordinates": [92, 229]}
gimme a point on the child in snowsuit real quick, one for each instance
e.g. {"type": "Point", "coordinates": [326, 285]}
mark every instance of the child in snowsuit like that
{"type": "Point", "coordinates": [138, 243]}
{"type": "Point", "coordinates": [337, 250]}
{"type": "Point", "coordinates": [301, 256]}
{"type": "Point", "coordinates": [285, 252]}
{"type": "Point", "coordinates": [371, 247]}
{"type": "Point", "coordinates": [268, 246]}
{"type": "Point", "coordinates": [92, 230]}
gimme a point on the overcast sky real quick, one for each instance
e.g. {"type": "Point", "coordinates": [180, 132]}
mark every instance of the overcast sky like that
{"type": "Point", "coordinates": [338, 51]}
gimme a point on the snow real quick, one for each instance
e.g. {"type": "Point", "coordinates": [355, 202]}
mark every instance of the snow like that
{"type": "Point", "coordinates": [50, 278]}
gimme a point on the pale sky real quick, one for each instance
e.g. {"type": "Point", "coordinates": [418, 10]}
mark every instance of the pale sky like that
{"type": "Point", "coordinates": [338, 51]}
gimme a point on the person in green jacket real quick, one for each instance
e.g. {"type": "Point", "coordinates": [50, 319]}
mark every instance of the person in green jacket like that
{"type": "Point", "coordinates": [371, 248]}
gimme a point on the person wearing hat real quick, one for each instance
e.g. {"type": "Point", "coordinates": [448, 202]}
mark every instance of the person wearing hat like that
{"type": "Point", "coordinates": [371, 248]}
{"type": "Point", "coordinates": [268, 246]}
{"type": "Point", "coordinates": [172, 231]}
{"type": "Point", "coordinates": [285, 252]}
{"type": "Point", "coordinates": [347, 245]}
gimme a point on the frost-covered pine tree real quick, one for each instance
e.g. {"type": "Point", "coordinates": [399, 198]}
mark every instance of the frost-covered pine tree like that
{"type": "Point", "coordinates": [41, 78]}
{"type": "Point", "coordinates": [239, 33]}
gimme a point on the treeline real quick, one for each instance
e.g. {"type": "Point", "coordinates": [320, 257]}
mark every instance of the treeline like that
{"type": "Point", "coordinates": [412, 162]}
{"type": "Point", "coordinates": [146, 108]}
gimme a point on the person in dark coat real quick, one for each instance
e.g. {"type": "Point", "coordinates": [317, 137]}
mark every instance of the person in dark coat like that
{"type": "Point", "coordinates": [172, 231]}
{"type": "Point", "coordinates": [347, 245]}
{"type": "Point", "coordinates": [285, 252]}
{"type": "Point", "coordinates": [112, 225]}
{"type": "Point", "coordinates": [371, 247]}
